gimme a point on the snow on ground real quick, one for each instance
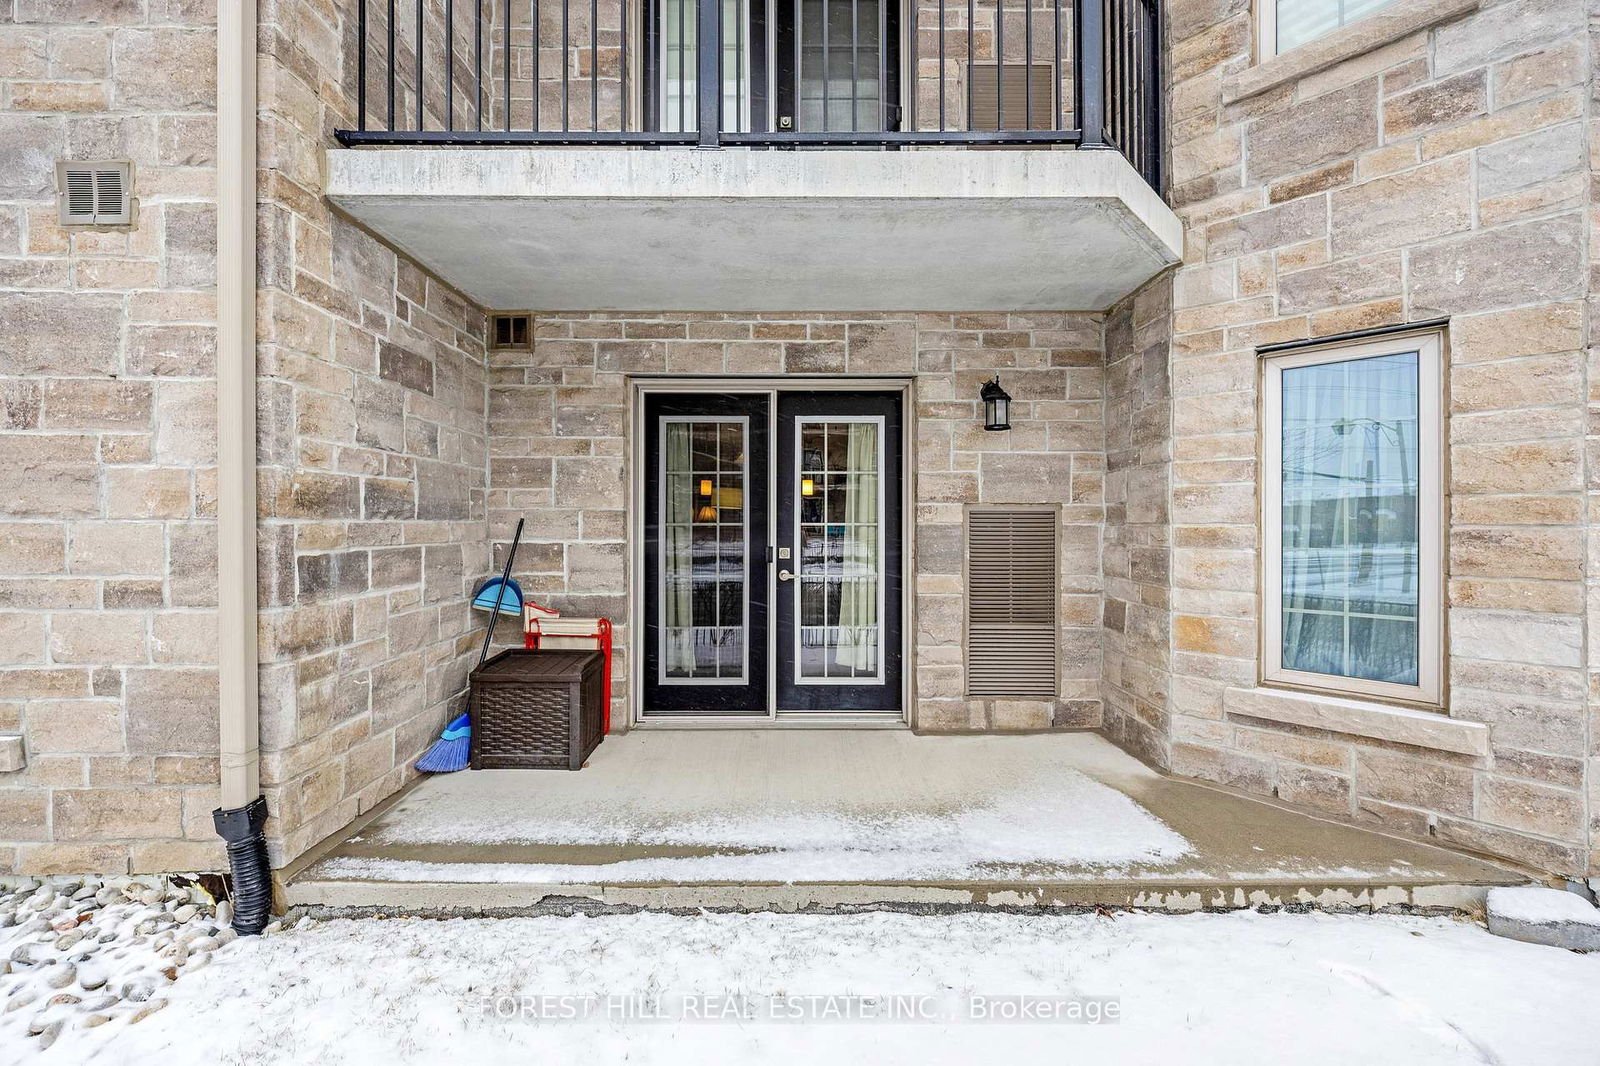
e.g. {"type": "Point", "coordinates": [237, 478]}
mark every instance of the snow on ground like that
{"type": "Point", "coordinates": [1536, 903]}
{"type": "Point", "coordinates": [1063, 818]}
{"type": "Point", "coordinates": [78, 953]}
{"type": "Point", "coordinates": [1205, 988]}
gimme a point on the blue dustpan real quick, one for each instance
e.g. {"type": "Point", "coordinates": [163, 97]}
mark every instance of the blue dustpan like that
{"type": "Point", "coordinates": [510, 603]}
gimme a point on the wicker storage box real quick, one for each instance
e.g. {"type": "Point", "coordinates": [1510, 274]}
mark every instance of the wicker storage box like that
{"type": "Point", "coordinates": [537, 709]}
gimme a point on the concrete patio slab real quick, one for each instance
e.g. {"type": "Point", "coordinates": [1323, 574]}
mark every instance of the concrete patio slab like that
{"type": "Point", "coordinates": [823, 819]}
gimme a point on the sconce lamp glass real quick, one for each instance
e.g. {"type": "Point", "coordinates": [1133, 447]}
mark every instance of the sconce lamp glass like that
{"type": "Point", "coordinates": [996, 405]}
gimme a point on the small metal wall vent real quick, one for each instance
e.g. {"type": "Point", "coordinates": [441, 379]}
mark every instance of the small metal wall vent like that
{"type": "Point", "coordinates": [96, 193]}
{"type": "Point", "coordinates": [510, 331]}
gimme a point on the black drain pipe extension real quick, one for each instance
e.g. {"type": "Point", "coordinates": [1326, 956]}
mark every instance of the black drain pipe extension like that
{"type": "Point", "coordinates": [240, 828]}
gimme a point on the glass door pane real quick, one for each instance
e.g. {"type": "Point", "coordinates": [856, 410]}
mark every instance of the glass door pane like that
{"type": "Point", "coordinates": [840, 572]}
{"type": "Point", "coordinates": [679, 65]}
{"type": "Point", "coordinates": [841, 64]}
{"type": "Point", "coordinates": [704, 545]}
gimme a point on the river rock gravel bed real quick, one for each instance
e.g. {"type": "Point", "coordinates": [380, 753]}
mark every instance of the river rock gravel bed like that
{"type": "Point", "coordinates": [84, 952]}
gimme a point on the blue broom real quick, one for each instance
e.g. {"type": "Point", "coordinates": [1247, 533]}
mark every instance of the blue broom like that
{"type": "Point", "coordinates": [450, 752]}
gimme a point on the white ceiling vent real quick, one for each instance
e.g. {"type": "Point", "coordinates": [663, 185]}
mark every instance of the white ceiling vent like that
{"type": "Point", "coordinates": [96, 194]}
{"type": "Point", "coordinates": [1012, 643]}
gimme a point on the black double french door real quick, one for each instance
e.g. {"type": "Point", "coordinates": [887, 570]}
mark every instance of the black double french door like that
{"type": "Point", "coordinates": [772, 554]}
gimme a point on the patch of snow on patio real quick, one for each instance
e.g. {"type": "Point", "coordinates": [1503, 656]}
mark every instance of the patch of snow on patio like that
{"type": "Point", "coordinates": [1069, 820]}
{"type": "Point", "coordinates": [1235, 989]}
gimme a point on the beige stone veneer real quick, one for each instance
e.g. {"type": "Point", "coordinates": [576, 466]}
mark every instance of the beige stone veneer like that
{"type": "Point", "coordinates": [371, 453]}
{"type": "Point", "coordinates": [107, 443]}
{"type": "Point", "coordinates": [560, 444]}
{"type": "Point", "coordinates": [1443, 174]}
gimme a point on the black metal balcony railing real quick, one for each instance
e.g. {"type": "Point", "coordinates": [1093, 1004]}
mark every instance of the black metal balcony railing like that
{"type": "Point", "coordinates": [772, 73]}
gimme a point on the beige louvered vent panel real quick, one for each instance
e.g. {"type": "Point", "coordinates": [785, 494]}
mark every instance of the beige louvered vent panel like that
{"type": "Point", "coordinates": [95, 194]}
{"type": "Point", "coordinates": [80, 195]}
{"type": "Point", "coordinates": [1012, 643]}
{"type": "Point", "coordinates": [1028, 98]}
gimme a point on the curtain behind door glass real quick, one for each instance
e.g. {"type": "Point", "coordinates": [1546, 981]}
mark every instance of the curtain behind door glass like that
{"type": "Point", "coordinates": [840, 557]}
{"type": "Point", "coordinates": [858, 596]}
{"type": "Point", "coordinates": [677, 584]}
{"type": "Point", "coordinates": [1350, 511]}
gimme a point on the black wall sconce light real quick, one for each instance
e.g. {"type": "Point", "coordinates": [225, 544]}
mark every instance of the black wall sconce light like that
{"type": "Point", "coordinates": [996, 405]}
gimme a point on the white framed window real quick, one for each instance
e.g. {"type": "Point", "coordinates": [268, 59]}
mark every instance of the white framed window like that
{"type": "Point", "coordinates": [1285, 24]}
{"type": "Point", "coordinates": [1352, 490]}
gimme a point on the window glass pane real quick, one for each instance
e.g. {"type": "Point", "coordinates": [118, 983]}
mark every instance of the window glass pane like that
{"type": "Point", "coordinates": [1350, 529]}
{"type": "Point", "coordinates": [1300, 21]}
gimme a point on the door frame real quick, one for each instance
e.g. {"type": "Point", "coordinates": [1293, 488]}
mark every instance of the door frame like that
{"type": "Point", "coordinates": [641, 385]}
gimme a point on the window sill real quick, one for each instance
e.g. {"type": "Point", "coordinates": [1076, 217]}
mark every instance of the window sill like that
{"type": "Point", "coordinates": [1399, 725]}
{"type": "Point", "coordinates": [1374, 31]}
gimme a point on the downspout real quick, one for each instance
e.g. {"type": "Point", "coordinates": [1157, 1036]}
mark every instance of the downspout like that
{"type": "Point", "coordinates": [244, 810]}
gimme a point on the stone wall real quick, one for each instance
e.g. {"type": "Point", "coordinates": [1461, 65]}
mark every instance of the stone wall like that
{"type": "Point", "coordinates": [372, 465]}
{"type": "Point", "coordinates": [1137, 559]}
{"type": "Point", "coordinates": [107, 442]}
{"type": "Point", "coordinates": [1592, 478]}
{"type": "Point", "coordinates": [1440, 174]}
{"type": "Point", "coordinates": [455, 38]}
{"type": "Point", "coordinates": [371, 448]}
{"type": "Point", "coordinates": [560, 454]}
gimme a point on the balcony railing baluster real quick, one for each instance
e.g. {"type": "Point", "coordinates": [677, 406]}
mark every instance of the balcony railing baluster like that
{"type": "Point", "coordinates": [361, 65]}
{"type": "Point", "coordinates": [1055, 68]}
{"type": "Point", "coordinates": [392, 63]}
{"type": "Point", "coordinates": [418, 86]}
{"type": "Point", "coordinates": [708, 72]}
{"type": "Point", "coordinates": [1103, 58]}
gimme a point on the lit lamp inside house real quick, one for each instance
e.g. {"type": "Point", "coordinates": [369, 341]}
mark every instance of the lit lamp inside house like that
{"type": "Point", "coordinates": [808, 487]}
{"type": "Point", "coordinates": [707, 511]}
{"type": "Point", "coordinates": [996, 405]}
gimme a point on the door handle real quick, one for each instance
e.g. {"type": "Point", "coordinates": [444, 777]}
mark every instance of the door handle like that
{"type": "Point", "coordinates": [784, 575]}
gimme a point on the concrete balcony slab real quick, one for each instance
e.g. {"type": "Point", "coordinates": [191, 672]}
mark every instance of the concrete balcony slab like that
{"type": "Point", "coordinates": [751, 230]}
